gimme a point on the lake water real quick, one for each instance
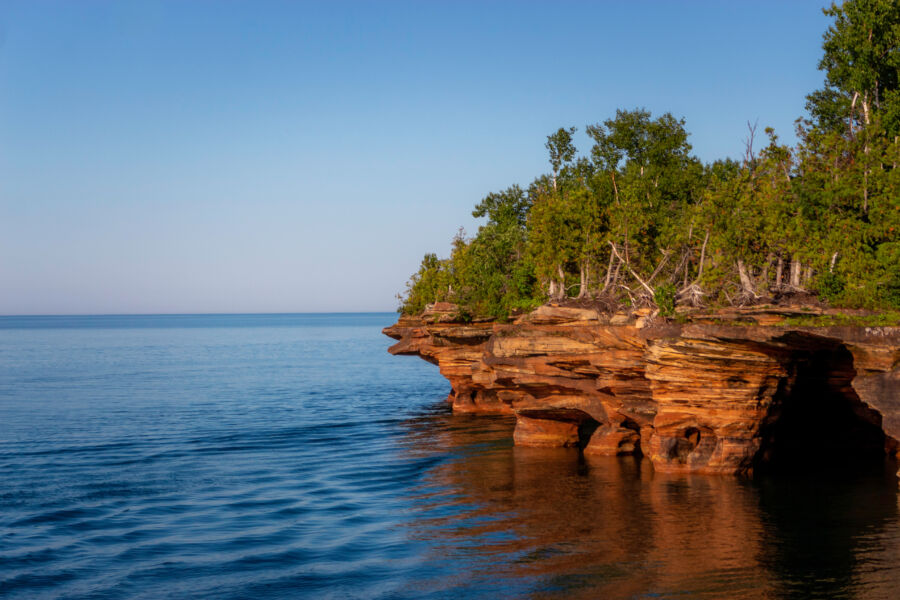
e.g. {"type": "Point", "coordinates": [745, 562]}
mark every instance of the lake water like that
{"type": "Point", "coordinates": [289, 456]}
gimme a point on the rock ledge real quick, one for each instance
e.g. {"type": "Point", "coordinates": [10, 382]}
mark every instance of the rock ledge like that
{"type": "Point", "coordinates": [727, 393]}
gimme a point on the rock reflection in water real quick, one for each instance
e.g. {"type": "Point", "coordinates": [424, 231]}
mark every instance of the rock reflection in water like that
{"type": "Point", "coordinates": [550, 523]}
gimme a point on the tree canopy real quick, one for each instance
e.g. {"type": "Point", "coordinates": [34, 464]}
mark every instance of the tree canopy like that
{"type": "Point", "coordinates": [639, 220]}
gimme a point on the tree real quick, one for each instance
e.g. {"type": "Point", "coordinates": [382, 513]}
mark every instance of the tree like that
{"type": "Point", "coordinates": [493, 274]}
{"type": "Point", "coordinates": [562, 150]}
{"type": "Point", "coordinates": [429, 284]}
{"type": "Point", "coordinates": [861, 61]}
{"type": "Point", "coordinates": [823, 216]}
{"type": "Point", "coordinates": [654, 181]}
{"type": "Point", "coordinates": [551, 235]}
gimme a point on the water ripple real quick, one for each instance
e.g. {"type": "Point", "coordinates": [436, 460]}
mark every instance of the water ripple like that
{"type": "Point", "coordinates": [293, 457]}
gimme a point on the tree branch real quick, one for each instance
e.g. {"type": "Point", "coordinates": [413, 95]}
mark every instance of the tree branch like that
{"type": "Point", "coordinates": [633, 274]}
{"type": "Point", "coordinates": [666, 254]}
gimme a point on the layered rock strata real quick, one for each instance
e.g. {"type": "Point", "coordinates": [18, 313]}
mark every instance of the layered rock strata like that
{"type": "Point", "coordinates": [728, 394]}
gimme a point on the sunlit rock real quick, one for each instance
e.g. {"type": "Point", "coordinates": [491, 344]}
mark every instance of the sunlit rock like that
{"type": "Point", "coordinates": [728, 392]}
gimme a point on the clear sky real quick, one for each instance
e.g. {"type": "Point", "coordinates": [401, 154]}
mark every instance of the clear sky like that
{"type": "Point", "coordinates": [302, 156]}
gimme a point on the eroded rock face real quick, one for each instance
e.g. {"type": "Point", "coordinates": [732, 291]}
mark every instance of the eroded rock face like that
{"type": "Point", "coordinates": [698, 397]}
{"type": "Point", "coordinates": [553, 427]}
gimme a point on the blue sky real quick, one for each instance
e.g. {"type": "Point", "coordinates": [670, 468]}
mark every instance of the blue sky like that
{"type": "Point", "coordinates": [289, 156]}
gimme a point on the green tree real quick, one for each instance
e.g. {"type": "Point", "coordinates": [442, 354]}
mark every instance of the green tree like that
{"type": "Point", "coordinates": [655, 181]}
{"type": "Point", "coordinates": [861, 61]}
{"type": "Point", "coordinates": [643, 221]}
{"type": "Point", "coordinates": [493, 274]}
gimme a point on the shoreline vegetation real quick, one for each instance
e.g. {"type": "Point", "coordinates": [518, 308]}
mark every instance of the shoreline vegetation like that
{"type": "Point", "coordinates": [639, 222]}
{"type": "Point", "coordinates": [787, 315]}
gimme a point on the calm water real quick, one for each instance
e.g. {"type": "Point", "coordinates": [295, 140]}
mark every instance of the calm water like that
{"type": "Point", "coordinates": [289, 456]}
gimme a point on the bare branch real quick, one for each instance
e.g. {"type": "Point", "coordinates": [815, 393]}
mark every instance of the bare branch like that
{"type": "Point", "coordinates": [633, 274]}
{"type": "Point", "coordinates": [609, 269]}
{"type": "Point", "coordinates": [749, 157]}
{"type": "Point", "coordinates": [666, 254]}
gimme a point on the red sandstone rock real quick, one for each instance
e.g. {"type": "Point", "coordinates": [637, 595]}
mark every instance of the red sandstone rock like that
{"type": "Point", "coordinates": [553, 427]}
{"type": "Point", "coordinates": [700, 397]}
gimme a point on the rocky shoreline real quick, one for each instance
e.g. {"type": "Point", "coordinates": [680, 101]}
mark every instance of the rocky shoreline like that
{"type": "Point", "coordinates": [731, 392]}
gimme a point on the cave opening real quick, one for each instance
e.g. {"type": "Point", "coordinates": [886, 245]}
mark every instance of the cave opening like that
{"type": "Point", "coordinates": [817, 423]}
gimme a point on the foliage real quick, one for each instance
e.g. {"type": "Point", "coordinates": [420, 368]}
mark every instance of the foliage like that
{"type": "Point", "coordinates": [861, 61]}
{"type": "Point", "coordinates": [664, 297]}
{"type": "Point", "coordinates": [639, 221]}
{"type": "Point", "coordinates": [830, 285]}
{"type": "Point", "coordinates": [427, 285]}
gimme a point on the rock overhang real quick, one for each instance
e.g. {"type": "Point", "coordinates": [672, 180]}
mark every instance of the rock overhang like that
{"type": "Point", "coordinates": [698, 396]}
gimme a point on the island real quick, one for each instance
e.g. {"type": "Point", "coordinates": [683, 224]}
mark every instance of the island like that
{"type": "Point", "coordinates": [723, 316]}
{"type": "Point", "coordinates": [719, 392]}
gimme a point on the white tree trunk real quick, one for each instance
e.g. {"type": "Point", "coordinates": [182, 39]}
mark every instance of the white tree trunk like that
{"type": "Point", "coordinates": [583, 290]}
{"type": "Point", "coordinates": [561, 292]}
{"type": "Point", "coordinates": [779, 273]}
{"type": "Point", "coordinates": [609, 270]}
{"type": "Point", "coordinates": [795, 273]}
{"type": "Point", "coordinates": [746, 281]}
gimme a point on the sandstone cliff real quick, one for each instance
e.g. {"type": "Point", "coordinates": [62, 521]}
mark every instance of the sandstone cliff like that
{"type": "Point", "coordinates": [729, 394]}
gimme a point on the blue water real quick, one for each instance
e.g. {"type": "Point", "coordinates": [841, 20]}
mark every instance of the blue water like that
{"type": "Point", "coordinates": [289, 456]}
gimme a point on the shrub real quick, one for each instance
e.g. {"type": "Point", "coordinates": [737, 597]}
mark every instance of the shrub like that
{"type": "Point", "coordinates": [830, 286]}
{"type": "Point", "coordinates": [664, 296]}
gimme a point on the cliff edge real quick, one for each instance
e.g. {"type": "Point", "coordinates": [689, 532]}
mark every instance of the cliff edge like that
{"type": "Point", "coordinates": [730, 392]}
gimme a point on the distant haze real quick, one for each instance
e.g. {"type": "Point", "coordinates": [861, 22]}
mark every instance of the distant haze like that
{"type": "Point", "coordinates": [162, 157]}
